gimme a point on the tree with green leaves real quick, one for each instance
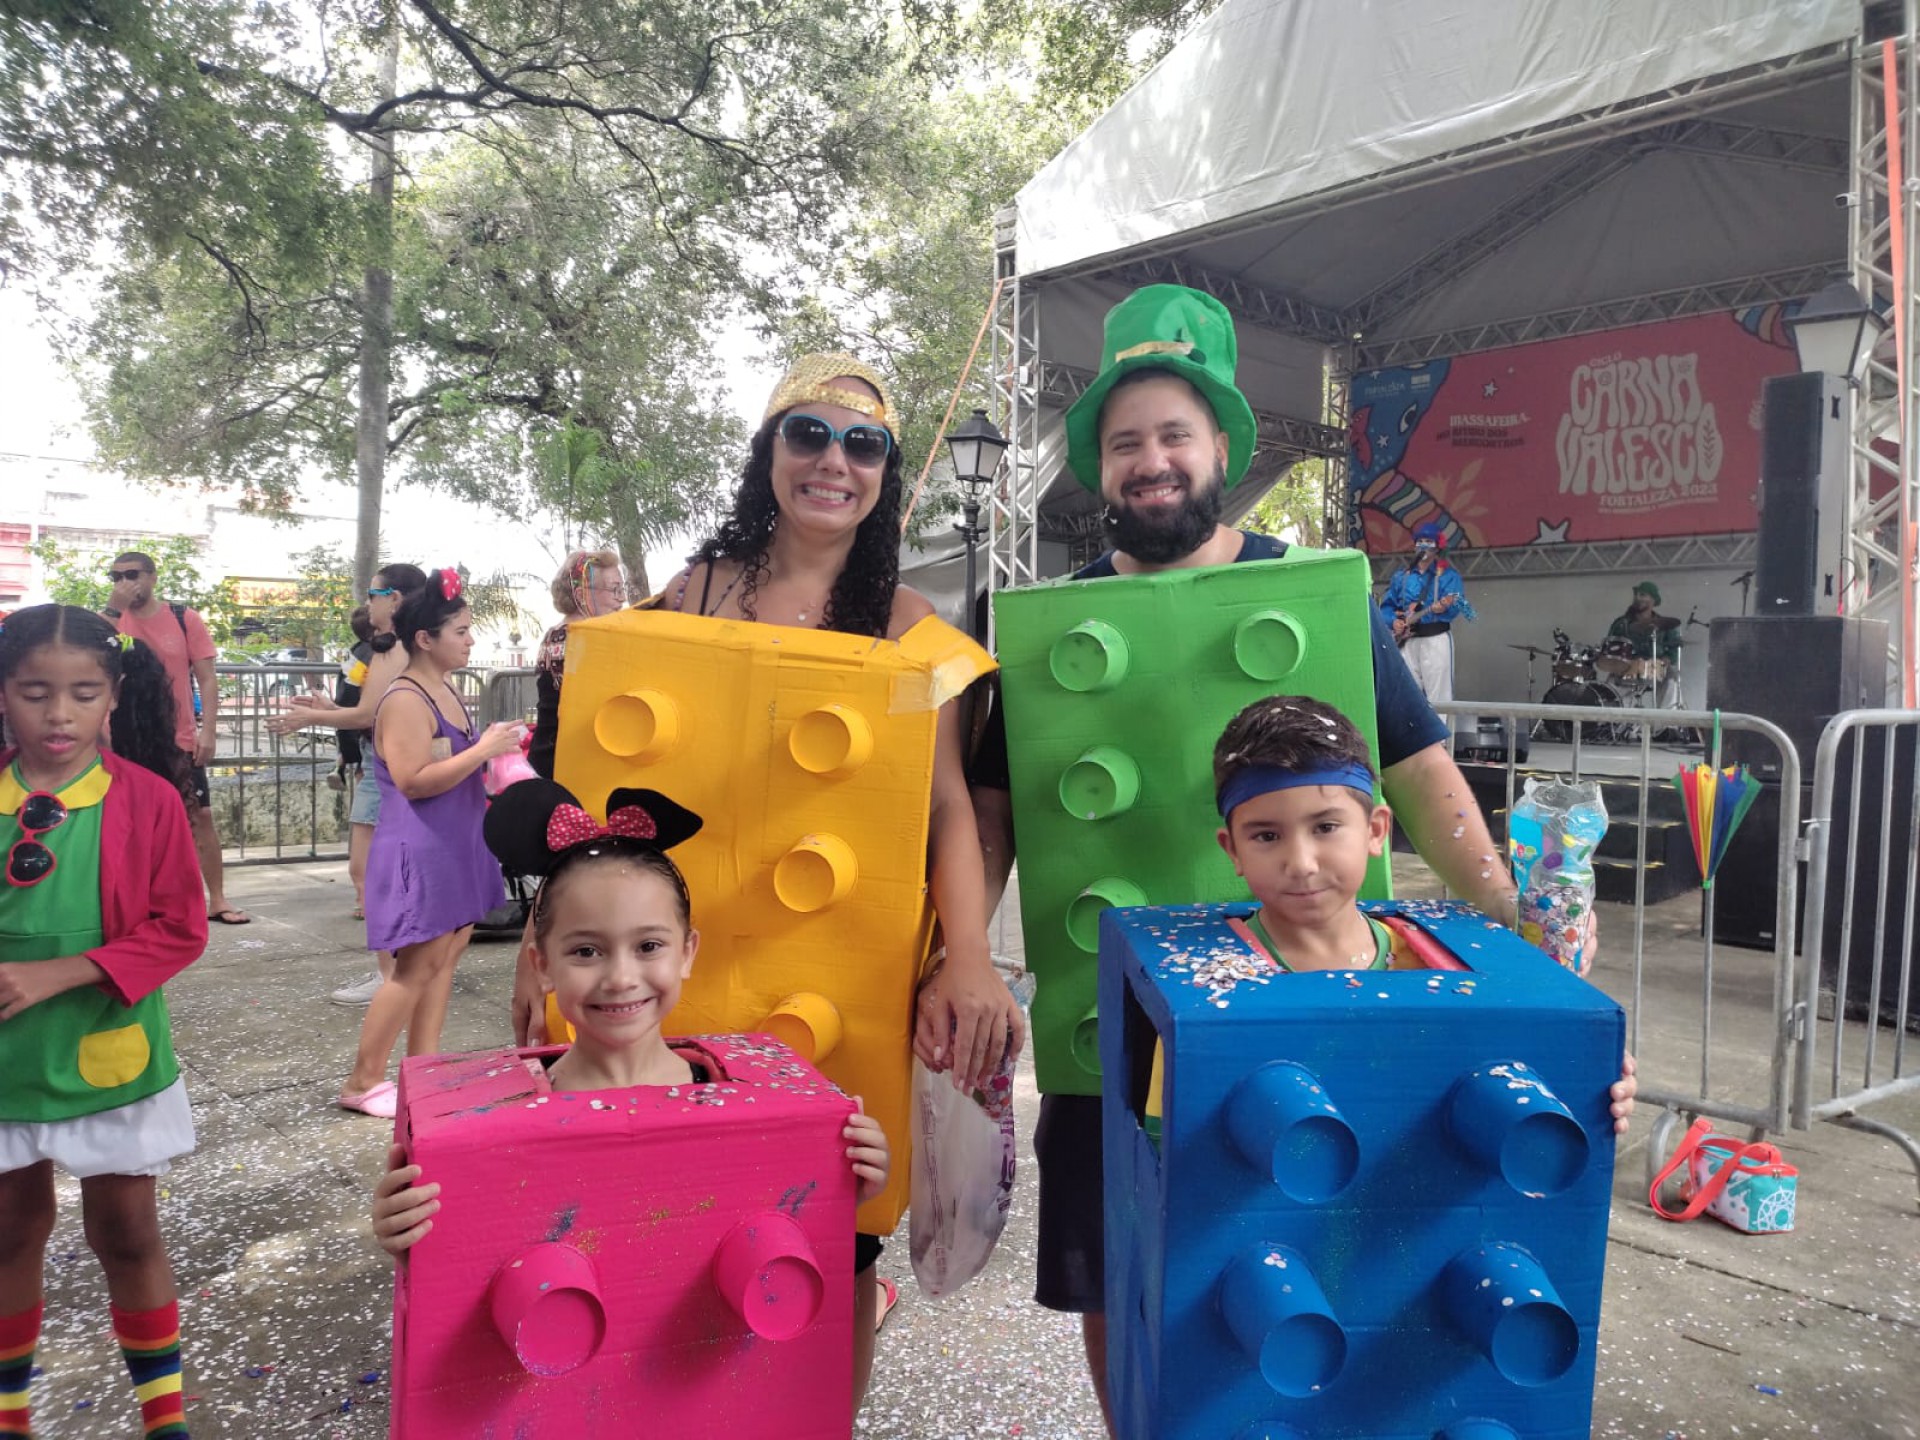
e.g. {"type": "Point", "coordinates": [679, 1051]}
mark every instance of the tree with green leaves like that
{"type": "Point", "coordinates": [219, 143]}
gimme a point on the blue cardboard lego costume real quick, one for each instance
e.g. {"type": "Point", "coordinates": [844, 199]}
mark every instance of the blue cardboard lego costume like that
{"type": "Point", "coordinates": [1377, 1202]}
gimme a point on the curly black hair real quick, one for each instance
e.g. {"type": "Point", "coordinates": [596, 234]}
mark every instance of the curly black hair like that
{"type": "Point", "coordinates": [862, 598]}
{"type": "Point", "coordinates": [1288, 732]}
{"type": "Point", "coordinates": [144, 719]}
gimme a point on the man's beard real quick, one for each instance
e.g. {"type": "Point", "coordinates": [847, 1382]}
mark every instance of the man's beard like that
{"type": "Point", "coordinates": [1160, 539]}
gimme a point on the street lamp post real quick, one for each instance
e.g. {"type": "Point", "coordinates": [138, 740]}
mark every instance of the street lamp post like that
{"type": "Point", "coordinates": [976, 448]}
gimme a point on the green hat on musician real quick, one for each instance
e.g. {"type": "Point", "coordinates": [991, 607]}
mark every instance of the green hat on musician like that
{"type": "Point", "coordinates": [1648, 589]}
{"type": "Point", "coordinates": [1183, 332]}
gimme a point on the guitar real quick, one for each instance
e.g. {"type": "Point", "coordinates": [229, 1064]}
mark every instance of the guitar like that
{"type": "Point", "coordinates": [1405, 620]}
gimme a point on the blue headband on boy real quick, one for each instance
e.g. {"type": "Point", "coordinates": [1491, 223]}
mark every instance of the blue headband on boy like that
{"type": "Point", "coordinates": [1263, 779]}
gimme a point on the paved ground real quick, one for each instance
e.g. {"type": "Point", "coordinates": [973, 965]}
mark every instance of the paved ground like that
{"type": "Point", "coordinates": [286, 1299]}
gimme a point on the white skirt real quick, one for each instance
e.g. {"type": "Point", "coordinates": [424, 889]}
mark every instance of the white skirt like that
{"type": "Point", "coordinates": [137, 1139]}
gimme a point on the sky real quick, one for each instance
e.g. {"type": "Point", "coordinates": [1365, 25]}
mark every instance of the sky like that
{"type": "Point", "coordinates": [41, 415]}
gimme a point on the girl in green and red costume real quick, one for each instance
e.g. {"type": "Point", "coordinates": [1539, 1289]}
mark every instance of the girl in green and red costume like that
{"type": "Point", "coordinates": [99, 906]}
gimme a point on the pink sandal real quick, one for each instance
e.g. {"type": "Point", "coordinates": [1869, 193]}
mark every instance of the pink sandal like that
{"type": "Point", "coordinates": [381, 1102]}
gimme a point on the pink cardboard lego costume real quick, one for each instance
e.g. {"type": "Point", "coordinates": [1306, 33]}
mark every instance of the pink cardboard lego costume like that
{"type": "Point", "coordinates": [672, 1260]}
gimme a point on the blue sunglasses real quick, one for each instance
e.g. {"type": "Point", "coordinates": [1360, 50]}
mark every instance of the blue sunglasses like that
{"type": "Point", "coordinates": [809, 436]}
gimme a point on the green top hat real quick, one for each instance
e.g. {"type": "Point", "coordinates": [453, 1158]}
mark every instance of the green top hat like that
{"type": "Point", "coordinates": [1184, 332]}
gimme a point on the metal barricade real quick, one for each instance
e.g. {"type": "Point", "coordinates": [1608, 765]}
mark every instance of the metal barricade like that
{"type": "Point", "coordinates": [271, 802]}
{"type": "Point", "coordinates": [508, 694]}
{"type": "Point", "coordinates": [1830, 1022]}
{"type": "Point", "coordinates": [274, 800]}
{"type": "Point", "coordinates": [1763, 1103]}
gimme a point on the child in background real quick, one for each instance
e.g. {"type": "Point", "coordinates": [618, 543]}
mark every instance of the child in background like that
{"type": "Point", "coordinates": [613, 939]}
{"type": "Point", "coordinates": [101, 905]}
{"type": "Point", "coordinates": [1295, 786]}
{"type": "Point", "coordinates": [346, 694]}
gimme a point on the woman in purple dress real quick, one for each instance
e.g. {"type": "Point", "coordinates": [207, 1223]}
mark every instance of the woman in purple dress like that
{"type": "Point", "coordinates": [429, 876]}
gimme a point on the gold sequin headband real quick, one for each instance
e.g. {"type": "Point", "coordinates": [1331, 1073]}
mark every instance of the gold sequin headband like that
{"type": "Point", "coordinates": [811, 377]}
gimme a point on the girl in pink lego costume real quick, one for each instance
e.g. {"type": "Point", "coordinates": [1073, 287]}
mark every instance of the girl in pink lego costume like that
{"type": "Point", "coordinates": [613, 939]}
{"type": "Point", "coordinates": [100, 906]}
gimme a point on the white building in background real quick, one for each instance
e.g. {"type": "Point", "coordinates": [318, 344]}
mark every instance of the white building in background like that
{"type": "Point", "coordinates": [84, 507]}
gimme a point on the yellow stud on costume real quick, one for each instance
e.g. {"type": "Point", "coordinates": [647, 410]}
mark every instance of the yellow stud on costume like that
{"type": "Point", "coordinates": [810, 755]}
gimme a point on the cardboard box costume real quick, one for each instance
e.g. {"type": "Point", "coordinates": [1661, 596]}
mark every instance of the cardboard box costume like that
{"type": "Point", "coordinates": [810, 755]}
{"type": "Point", "coordinates": [673, 1260]}
{"type": "Point", "coordinates": [1115, 690]}
{"type": "Point", "coordinates": [1377, 1201]}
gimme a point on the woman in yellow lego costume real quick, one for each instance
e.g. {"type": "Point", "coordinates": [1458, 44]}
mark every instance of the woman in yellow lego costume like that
{"type": "Point", "coordinates": [813, 541]}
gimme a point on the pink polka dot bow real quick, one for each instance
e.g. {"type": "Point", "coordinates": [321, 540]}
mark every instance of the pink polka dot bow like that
{"type": "Point", "coordinates": [570, 826]}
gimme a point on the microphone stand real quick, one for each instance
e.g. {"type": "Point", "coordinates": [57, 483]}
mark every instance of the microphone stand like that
{"type": "Point", "coordinates": [1745, 582]}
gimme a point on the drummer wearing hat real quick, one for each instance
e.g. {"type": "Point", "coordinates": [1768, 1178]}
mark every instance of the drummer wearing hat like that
{"type": "Point", "coordinates": [1652, 635]}
{"type": "Point", "coordinates": [1160, 436]}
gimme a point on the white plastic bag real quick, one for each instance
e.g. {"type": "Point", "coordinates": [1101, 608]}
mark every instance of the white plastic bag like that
{"type": "Point", "coordinates": [962, 1182]}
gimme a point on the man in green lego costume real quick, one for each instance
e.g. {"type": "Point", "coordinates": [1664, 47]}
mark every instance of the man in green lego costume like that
{"type": "Point", "coordinates": [1161, 435]}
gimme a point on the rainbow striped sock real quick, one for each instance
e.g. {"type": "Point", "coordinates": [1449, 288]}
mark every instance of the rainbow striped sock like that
{"type": "Point", "coordinates": [19, 1334]}
{"type": "Point", "coordinates": [150, 1341]}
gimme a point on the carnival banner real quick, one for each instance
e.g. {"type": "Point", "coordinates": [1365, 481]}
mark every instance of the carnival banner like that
{"type": "Point", "coordinates": [1623, 434]}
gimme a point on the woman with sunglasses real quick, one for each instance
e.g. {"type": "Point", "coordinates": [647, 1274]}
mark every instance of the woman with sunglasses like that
{"type": "Point", "coordinates": [383, 661]}
{"type": "Point", "coordinates": [101, 905]}
{"type": "Point", "coordinates": [813, 540]}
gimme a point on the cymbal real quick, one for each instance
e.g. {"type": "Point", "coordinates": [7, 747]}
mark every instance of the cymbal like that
{"type": "Point", "coordinates": [1531, 649]}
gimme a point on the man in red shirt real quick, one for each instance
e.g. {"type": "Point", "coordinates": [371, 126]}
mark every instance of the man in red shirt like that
{"type": "Point", "coordinates": [179, 637]}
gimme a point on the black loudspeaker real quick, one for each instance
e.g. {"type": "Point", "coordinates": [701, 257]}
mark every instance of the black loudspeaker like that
{"type": "Point", "coordinates": [1798, 671]}
{"type": "Point", "coordinates": [1745, 884]}
{"type": "Point", "coordinates": [1784, 578]}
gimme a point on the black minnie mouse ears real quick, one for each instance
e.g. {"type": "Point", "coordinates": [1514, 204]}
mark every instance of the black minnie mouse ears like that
{"type": "Point", "coordinates": [531, 824]}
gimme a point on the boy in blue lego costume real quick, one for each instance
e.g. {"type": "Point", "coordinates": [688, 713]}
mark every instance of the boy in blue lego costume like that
{"type": "Point", "coordinates": [1344, 1203]}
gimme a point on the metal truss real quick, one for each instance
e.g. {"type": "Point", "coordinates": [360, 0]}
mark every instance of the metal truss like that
{"type": "Point", "coordinates": [1823, 154]}
{"type": "Point", "coordinates": [1013, 534]}
{"type": "Point", "coordinates": [1268, 308]}
{"type": "Point", "coordinates": [1578, 177]}
{"type": "Point", "coordinates": [1795, 284]}
{"type": "Point", "coordinates": [1609, 557]}
{"type": "Point", "coordinates": [1340, 522]}
{"type": "Point", "coordinates": [1885, 451]}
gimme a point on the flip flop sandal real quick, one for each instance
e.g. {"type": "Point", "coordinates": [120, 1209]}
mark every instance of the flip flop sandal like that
{"type": "Point", "coordinates": [230, 916]}
{"type": "Point", "coordinates": [889, 1297]}
{"type": "Point", "coordinates": [381, 1102]}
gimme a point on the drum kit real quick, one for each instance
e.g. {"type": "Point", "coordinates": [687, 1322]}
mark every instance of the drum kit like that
{"type": "Point", "coordinates": [1607, 676]}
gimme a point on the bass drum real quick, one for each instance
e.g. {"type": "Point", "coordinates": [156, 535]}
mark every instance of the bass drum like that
{"type": "Point", "coordinates": [1594, 693]}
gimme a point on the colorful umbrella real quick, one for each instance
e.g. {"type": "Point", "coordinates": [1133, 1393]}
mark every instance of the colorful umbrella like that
{"type": "Point", "coordinates": [1716, 801]}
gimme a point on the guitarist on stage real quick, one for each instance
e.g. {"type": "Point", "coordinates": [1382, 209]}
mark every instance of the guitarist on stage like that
{"type": "Point", "coordinates": [1422, 603]}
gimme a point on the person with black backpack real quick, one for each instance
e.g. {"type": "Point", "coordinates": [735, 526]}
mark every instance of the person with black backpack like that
{"type": "Point", "coordinates": [178, 635]}
{"type": "Point", "coordinates": [346, 694]}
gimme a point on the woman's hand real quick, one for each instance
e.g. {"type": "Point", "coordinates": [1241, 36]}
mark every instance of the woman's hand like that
{"type": "Point", "coordinates": [402, 1211]}
{"type": "Point", "coordinates": [867, 1152]}
{"type": "Point", "coordinates": [967, 1021]}
{"type": "Point", "coordinates": [500, 738]}
{"type": "Point", "coordinates": [304, 710]}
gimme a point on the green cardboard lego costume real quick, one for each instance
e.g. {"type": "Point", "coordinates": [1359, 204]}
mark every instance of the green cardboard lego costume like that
{"type": "Point", "coordinates": [1116, 690]}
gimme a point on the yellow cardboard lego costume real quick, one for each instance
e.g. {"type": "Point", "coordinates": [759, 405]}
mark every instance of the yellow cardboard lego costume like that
{"type": "Point", "coordinates": [810, 753]}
